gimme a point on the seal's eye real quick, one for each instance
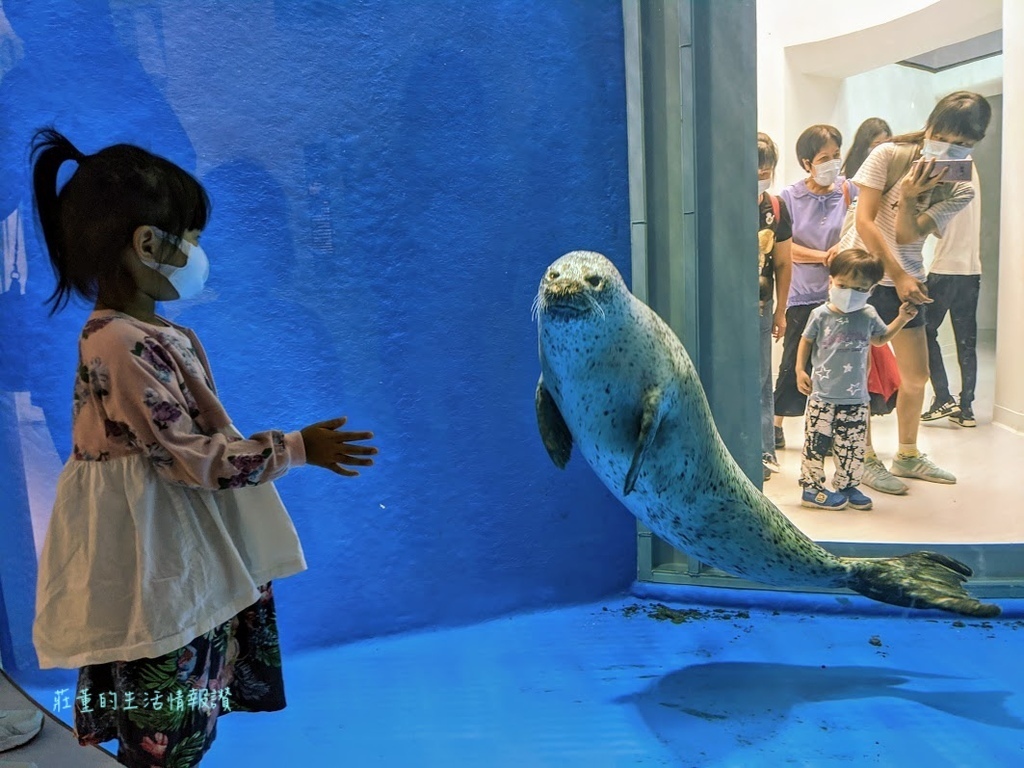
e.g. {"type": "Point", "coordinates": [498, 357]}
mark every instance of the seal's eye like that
{"type": "Point", "coordinates": [552, 275]}
{"type": "Point", "coordinates": [594, 280]}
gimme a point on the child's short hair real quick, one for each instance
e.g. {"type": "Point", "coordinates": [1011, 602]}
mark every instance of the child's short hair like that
{"type": "Point", "coordinates": [858, 263]}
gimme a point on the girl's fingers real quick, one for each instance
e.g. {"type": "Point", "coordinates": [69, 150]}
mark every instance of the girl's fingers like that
{"type": "Point", "coordinates": [354, 436]}
{"type": "Point", "coordinates": [358, 450]}
{"type": "Point", "coordinates": [342, 471]}
{"type": "Point", "coordinates": [332, 424]}
{"type": "Point", "coordinates": [352, 461]}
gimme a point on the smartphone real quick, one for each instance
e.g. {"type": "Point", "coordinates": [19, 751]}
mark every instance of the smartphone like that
{"type": "Point", "coordinates": [956, 170]}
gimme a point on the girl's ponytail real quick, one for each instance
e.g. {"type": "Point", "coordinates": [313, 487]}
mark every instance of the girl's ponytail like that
{"type": "Point", "coordinates": [88, 223]}
{"type": "Point", "coordinates": [50, 150]}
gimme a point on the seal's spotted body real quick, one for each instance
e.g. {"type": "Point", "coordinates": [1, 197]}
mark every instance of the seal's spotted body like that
{"type": "Point", "coordinates": [617, 382]}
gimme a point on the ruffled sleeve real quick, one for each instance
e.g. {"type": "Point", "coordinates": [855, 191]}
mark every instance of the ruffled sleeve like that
{"type": "Point", "coordinates": [146, 402]}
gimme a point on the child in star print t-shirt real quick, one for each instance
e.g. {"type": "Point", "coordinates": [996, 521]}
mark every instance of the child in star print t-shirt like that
{"type": "Point", "coordinates": [837, 340]}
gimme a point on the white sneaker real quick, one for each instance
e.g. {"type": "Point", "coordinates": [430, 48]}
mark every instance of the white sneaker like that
{"type": "Point", "coordinates": [922, 468]}
{"type": "Point", "coordinates": [18, 726]}
{"type": "Point", "coordinates": [878, 477]}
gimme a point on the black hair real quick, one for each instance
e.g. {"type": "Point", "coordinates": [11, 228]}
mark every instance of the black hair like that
{"type": "Point", "coordinates": [767, 152]}
{"type": "Point", "coordinates": [92, 219]}
{"type": "Point", "coordinates": [813, 139]}
{"type": "Point", "coordinates": [868, 131]}
{"type": "Point", "coordinates": [963, 113]}
{"type": "Point", "coordinates": [859, 263]}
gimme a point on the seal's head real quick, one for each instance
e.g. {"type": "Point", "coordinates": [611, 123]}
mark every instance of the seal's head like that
{"type": "Point", "coordinates": [579, 286]}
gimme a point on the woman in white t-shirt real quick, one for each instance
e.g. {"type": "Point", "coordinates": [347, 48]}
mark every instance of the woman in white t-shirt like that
{"type": "Point", "coordinates": [895, 223]}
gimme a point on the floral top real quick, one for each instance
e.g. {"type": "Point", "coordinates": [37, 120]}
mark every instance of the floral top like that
{"type": "Point", "coordinates": [162, 403]}
{"type": "Point", "coordinates": [166, 520]}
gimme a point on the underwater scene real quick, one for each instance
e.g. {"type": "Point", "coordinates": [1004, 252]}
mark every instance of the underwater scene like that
{"type": "Point", "coordinates": [394, 377]}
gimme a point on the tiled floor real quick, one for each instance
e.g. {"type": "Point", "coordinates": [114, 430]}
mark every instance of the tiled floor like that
{"type": "Point", "coordinates": [985, 506]}
{"type": "Point", "coordinates": [823, 681]}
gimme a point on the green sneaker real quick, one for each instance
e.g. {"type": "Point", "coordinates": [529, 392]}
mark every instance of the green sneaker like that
{"type": "Point", "coordinates": [922, 468]}
{"type": "Point", "coordinates": [878, 477]}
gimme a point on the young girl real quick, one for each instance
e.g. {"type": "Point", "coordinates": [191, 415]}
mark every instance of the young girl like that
{"type": "Point", "coordinates": [836, 342]}
{"type": "Point", "coordinates": [895, 226]}
{"type": "Point", "coordinates": [166, 532]}
{"type": "Point", "coordinates": [774, 238]}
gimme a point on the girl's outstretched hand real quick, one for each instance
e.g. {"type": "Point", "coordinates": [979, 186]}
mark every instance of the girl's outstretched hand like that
{"type": "Point", "coordinates": [328, 448]}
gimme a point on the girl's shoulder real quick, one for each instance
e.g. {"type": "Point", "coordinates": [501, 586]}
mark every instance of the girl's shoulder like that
{"type": "Point", "coordinates": [111, 330]}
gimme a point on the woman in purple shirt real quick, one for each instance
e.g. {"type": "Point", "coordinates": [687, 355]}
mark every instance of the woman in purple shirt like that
{"type": "Point", "coordinates": [817, 206]}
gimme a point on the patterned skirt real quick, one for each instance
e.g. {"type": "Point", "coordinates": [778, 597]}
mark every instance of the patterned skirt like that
{"type": "Point", "coordinates": [164, 711]}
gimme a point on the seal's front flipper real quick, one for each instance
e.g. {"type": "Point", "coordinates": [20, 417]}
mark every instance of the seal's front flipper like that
{"type": "Point", "coordinates": [919, 580]}
{"type": "Point", "coordinates": [655, 406]}
{"type": "Point", "coordinates": [553, 429]}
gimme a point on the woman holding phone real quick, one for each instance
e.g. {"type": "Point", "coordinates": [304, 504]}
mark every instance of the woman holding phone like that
{"type": "Point", "coordinates": [893, 221]}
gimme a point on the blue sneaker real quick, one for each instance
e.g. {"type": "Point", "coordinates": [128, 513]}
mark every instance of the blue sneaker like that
{"type": "Point", "coordinates": [857, 499]}
{"type": "Point", "coordinates": [817, 498]}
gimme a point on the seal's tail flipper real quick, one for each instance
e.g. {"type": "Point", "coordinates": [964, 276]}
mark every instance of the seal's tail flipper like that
{"type": "Point", "coordinates": [918, 580]}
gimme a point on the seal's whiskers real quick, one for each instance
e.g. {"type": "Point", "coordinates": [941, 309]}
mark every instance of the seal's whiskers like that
{"type": "Point", "coordinates": [538, 306]}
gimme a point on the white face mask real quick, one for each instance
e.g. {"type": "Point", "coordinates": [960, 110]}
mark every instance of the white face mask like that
{"type": "Point", "coordinates": [941, 150]}
{"type": "Point", "coordinates": [190, 279]}
{"type": "Point", "coordinates": [762, 186]}
{"type": "Point", "coordinates": [847, 300]}
{"type": "Point", "coordinates": [826, 173]}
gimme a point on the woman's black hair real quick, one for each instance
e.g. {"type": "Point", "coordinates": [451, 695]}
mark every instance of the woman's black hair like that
{"type": "Point", "coordinates": [813, 139]}
{"type": "Point", "coordinates": [92, 219]}
{"type": "Point", "coordinates": [961, 113]}
{"type": "Point", "coordinates": [868, 131]}
{"type": "Point", "coordinates": [858, 263]}
{"type": "Point", "coordinates": [767, 152]}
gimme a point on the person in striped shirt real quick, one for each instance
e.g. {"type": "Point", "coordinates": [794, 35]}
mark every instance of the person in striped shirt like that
{"type": "Point", "coordinates": [894, 222]}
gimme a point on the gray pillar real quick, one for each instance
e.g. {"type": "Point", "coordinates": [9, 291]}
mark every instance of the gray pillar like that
{"type": "Point", "coordinates": [691, 87]}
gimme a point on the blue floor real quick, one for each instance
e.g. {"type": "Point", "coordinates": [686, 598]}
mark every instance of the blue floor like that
{"type": "Point", "coordinates": [762, 680]}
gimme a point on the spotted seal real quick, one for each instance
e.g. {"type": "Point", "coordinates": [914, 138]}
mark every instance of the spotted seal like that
{"type": "Point", "coordinates": [617, 382]}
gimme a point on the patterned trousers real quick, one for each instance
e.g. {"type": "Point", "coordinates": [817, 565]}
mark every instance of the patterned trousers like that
{"type": "Point", "coordinates": [844, 429]}
{"type": "Point", "coordinates": [170, 705]}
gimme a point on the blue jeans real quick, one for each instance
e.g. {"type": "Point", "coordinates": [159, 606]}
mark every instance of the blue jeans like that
{"type": "Point", "coordinates": [767, 391]}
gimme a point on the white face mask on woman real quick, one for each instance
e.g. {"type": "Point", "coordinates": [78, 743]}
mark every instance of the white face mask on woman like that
{"type": "Point", "coordinates": [942, 150]}
{"type": "Point", "coordinates": [190, 279]}
{"type": "Point", "coordinates": [826, 173]}
{"type": "Point", "coordinates": [762, 186]}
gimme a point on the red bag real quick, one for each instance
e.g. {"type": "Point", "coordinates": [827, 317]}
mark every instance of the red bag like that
{"type": "Point", "coordinates": [883, 374]}
{"type": "Point", "coordinates": [883, 380]}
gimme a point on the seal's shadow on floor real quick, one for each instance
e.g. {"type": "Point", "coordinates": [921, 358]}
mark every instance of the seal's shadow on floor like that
{"type": "Point", "coordinates": [748, 702]}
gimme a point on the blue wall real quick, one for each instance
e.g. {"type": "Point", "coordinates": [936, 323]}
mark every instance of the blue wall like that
{"type": "Point", "coordinates": [389, 181]}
